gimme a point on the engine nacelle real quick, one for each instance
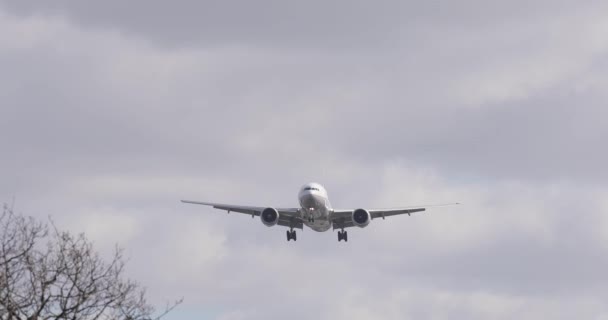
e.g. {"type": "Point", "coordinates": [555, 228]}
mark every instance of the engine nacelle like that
{"type": "Point", "coordinates": [270, 217]}
{"type": "Point", "coordinates": [361, 218]}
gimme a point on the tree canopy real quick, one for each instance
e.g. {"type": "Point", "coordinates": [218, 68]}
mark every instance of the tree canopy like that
{"type": "Point", "coordinates": [46, 273]}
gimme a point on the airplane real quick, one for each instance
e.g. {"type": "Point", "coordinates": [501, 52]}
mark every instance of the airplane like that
{"type": "Point", "coordinates": [315, 212]}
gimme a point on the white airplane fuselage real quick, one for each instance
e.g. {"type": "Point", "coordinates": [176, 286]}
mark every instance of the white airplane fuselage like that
{"type": "Point", "coordinates": [315, 207]}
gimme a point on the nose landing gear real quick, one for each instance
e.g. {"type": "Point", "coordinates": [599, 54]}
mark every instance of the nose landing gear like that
{"type": "Point", "coordinates": [311, 215]}
{"type": "Point", "coordinates": [342, 235]}
{"type": "Point", "coordinates": [291, 235]}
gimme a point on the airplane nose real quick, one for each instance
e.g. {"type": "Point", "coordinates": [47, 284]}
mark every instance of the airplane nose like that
{"type": "Point", "coordinates": [309, 200]}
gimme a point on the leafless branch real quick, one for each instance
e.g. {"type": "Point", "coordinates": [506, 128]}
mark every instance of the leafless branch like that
{"type": "Point", "coordinates": [64, 278]}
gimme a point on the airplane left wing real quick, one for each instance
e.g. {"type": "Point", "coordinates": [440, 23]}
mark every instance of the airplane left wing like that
{"type": "Point", "coordinates": [343, 218]}
{"type": "Point", "coordinates": [288, 217]}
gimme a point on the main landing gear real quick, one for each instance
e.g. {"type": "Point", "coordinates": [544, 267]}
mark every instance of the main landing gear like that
{"type": "Point", "coordinates": [291, 235]}
{"type": "Point", "coordinates": [342, 235]}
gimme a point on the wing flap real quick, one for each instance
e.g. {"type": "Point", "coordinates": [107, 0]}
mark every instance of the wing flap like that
{"type": "Point", "coordinates": [342, 223]}
{"type": "Point", "coordinates": [287, 216]}
{"type": "Point", "coordinates": [228, 207]}
{"type": "Point", "coordinates": [290, 222]}
{"type": "Point", "coordinates": [387, 213]}
{"type": "Point", "coordinates": [343, 218]}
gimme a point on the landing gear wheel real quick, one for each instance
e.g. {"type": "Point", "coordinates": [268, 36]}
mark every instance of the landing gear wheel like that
{"type": "Point", "coordinates": [291, 235]}
{"type": "Point", "coordinates": [342, 235]}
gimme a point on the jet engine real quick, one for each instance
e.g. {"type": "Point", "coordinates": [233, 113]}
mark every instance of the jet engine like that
{"type": "Point", "coordinates": [270, 217]}
{"type": "Point", "coordinates": [361, 218]}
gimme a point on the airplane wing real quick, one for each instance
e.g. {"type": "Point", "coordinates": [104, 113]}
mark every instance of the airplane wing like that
{"type": "Point", "coordinates": [342, 218]}
{"type": "Point", "coordinates": [288, 217]}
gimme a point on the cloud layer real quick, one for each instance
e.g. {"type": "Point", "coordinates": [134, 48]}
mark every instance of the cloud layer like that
{"type": "Point", "coordinates": [110, 114]}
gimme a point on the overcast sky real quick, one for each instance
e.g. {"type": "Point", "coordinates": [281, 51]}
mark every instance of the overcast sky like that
{"type": "Point", "coordinates": [113, 111]}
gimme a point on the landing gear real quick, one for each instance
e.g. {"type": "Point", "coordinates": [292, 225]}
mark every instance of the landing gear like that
{"type": "Point", "coordinates": [311, 220]}
{"type": "Point", "coordinates": [291, 235]}
{"type": "Point", "coordinates": [342, 235]}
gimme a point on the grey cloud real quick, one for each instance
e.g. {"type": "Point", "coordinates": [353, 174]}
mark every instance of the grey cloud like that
{"type": "Point", "coordinates": [327, 24]}
{"type": "Point", "coordinates": [100, 123]}
{"type": "Point", "coordinates": [548, 138]}
{"type": "Point", "coordinates": [368, 108]}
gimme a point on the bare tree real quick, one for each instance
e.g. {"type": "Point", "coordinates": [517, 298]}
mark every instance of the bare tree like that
{"type": "Point", "coordinates": [50, 274]}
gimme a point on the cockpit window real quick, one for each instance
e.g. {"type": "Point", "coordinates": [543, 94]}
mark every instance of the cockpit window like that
{"type": "Point", "coordinates": [310, 188]}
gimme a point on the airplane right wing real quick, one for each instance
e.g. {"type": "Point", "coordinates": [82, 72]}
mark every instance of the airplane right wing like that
{"type": "Point", "coordinates": [288, 217]}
